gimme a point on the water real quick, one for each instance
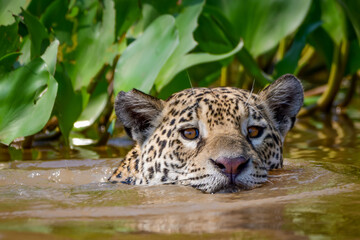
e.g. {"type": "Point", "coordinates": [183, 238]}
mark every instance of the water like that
{"type": "Point", "coordinates": [56, 194]}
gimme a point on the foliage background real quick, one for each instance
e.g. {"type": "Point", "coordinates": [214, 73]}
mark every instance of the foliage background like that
{"type": "Point", "coordinates": [62, 62]}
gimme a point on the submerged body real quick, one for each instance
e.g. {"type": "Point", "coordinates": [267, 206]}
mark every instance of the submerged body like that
{"type": "Point", "coordinates": [215, 140]}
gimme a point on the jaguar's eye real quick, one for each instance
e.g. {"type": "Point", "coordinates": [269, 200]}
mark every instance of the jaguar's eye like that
{"type": "Point", "coordinates": [254, 131]}
{"type": "Point", "coordinates": [190, 133]}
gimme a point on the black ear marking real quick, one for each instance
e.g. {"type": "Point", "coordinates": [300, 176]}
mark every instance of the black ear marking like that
{"type": "Point", "coordinates": [138, 112]}
{"type": "Point", "coordinates": [284, 97]}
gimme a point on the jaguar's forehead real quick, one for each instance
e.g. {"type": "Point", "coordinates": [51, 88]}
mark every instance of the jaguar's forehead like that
{"type": "Point", "coordinates": [215, 106]}
{"type": "Point", "coordinates": [210, 95]}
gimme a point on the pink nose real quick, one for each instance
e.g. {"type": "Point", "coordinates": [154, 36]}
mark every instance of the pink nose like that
{"type": "Point", "coordinates": [231, 166]}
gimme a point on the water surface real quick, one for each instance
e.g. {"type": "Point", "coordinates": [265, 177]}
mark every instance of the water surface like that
{"type": "Point", "coordinates": [55, 194]}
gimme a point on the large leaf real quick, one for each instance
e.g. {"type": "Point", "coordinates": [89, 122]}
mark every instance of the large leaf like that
{"type": "Point", "coordinates": [186, 22]}
{"type": "Point", "coordinates": [140, 63]}
{"type": "Point", "coordinates": [262, 24]}
{"type": "Point", "coordinates": [27, 97]}
{"type": "Point", "coordinates": [217, 36]}
{"type": "Point", "coordinates": [93, 44]}
{"type": "Point", "coordinates": [8, 8]}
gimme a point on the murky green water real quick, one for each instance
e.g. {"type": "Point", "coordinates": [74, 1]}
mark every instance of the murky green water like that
{"type": "Point", "coordinates": [55, 194]}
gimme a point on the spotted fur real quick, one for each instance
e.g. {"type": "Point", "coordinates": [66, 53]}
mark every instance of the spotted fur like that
{"type": "Point", "coordinates": [222, 116]}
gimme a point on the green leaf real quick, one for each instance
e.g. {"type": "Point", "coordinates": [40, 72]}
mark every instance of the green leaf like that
{"type": "Point", "coordinates": [127, 12]}
{"type": "Point", "coordinates": [25, 50]}
{"type": "Point", "coordinates": [290, 61]}
{"type": "Point", "coordinates": [141, 63]}
{"type": "Point", "coordinates": [197, 58]}
{"type": "Point", "coordinates": [38, 35]}
{"type": "Point", "coordinates": [37, 7]}
{"type": "Point", "coordinates": [27, 97]}
{"type": "Point", "coordinates": [148, 15]}
{"type": "Point", "coordinates": [186, 23]}
{"type": "Point", "coordinates": [180, 82]}
{"type": "Point", "coordinates": [7, 62]}
{"type": "Point", "coordinates": [50, 56]}
{"type": "Point", "coordinates": [352, 9]}
{"type": "Point", "coordinates": [8, 8]}
{"type": "Point", "coordinates": [221, 37]}
{"type": "Point", "coordinates": [9, 46]}
{"type": "Point", "coordinates": [95, 107]}
{"type": "Point", "coordinates": [68, 104]}
{"type": "Point", "coordinates": [94, 44]}
{"type": "Point", "coordinates": [324, 45]}
{"type": "Point", "coordinates": [210, 36]}
{"type": "Point", "coordinates": [262, 24]}
{"type": "Point", "coordinates": [194, 59]}
{"type": "Point", "coordinates": [9, 39]}
{"type": "Point", "coordinates": [334, 20]}
{"type": "Point", "coordinates": [55, 19]}
{"type": "Point", "coordinates": [204, 75]}
{"type": "Point", "coordinates": [180, 60]}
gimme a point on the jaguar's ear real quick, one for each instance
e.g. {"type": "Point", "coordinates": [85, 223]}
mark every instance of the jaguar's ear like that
{"type": "Point", "coordinates": [139, 113]}
{"type": "Point", "coordinates": [284, 98]}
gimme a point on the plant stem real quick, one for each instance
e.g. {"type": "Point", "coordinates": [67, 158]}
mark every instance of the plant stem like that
{"type": "Point", "coordinates": [351, 90]}
{"type": "Point", "coordinates": [223, 76]}
{"type": "Point", "coordinates": [336, 73]}
{"type": "Point", "coordinates": [308, 52]}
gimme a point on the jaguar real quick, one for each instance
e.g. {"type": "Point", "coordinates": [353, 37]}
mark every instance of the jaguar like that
{"type": "Point", "coordinates": [220, 139]}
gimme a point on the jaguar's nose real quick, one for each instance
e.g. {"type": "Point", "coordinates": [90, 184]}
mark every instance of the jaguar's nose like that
{"type": "Point", "coordinates": [231, 166]}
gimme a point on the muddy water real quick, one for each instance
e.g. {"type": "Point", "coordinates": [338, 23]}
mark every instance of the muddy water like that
{"type": "Point", "coordinates": [54, 194]}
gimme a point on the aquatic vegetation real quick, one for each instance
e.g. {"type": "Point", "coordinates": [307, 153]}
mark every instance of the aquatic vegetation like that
{"type": "Point", "coordinates": [62, 62]}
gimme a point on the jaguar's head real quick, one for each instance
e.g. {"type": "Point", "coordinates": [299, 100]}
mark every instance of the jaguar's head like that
{"type": "Point", "coordinates": [216, 139]}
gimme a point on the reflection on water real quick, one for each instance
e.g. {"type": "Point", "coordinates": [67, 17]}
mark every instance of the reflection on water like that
{"type": "Point", "coordinates": [52, 193]}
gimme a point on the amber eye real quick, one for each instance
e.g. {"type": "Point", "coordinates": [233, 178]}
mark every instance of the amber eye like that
{"type": "Point", "coordinates": [254, 131]}
{"type": "Point", "coordinates": [190, 133]}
